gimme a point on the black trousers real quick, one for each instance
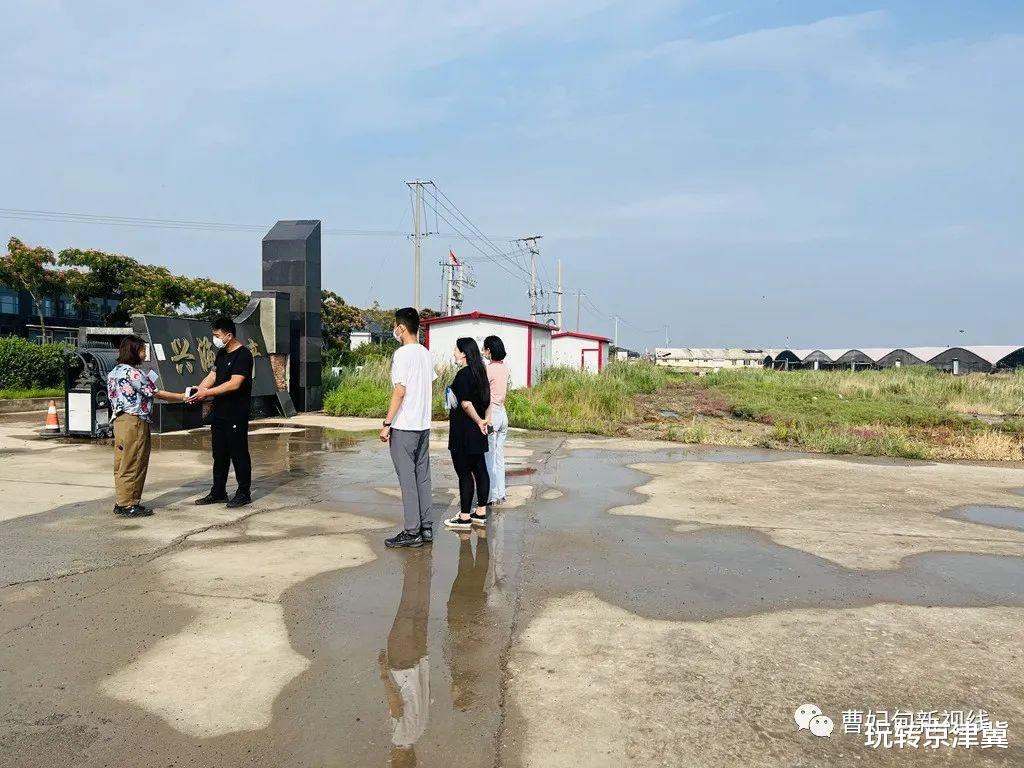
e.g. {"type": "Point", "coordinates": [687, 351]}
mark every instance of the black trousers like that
{"type": "Point", "coordinates": [231, 448]}
{"type": "Point", "coordinates": [472, 471]}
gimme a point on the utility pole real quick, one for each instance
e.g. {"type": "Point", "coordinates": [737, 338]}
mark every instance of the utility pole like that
{"type": "Point", "coordinates": [579, 295]}
{"type": "Point", "coordinates": [559, 293]}
{"type": "Point", "coordinates": [417, 235]}
{"type": "Point", "coordinates": [666, 335]}
{"type": "Point", "coordinates": [530, 241]}
{"type": "Point", "coordinates": [616, 331]}
{"type": "Point", "coordinates": [455, 274]}
{"type": "Point", "coordinates": [416, 247]}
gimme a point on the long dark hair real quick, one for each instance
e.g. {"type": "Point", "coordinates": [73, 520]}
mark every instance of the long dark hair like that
{"type": "Point", "coordinates": [475, 363]}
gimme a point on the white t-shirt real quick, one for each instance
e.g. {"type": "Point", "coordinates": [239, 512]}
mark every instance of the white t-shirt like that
{"type": "Point", "coordinates": [413, 367]}
{"type": "Point", "coordinates": [414, 685]}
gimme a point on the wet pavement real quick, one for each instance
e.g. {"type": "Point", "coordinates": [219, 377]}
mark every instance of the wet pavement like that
{"type": "Point", "coordinates": [629, 598]}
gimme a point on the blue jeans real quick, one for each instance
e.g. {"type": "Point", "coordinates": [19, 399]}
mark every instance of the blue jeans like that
{"type": "Point", "coordinates": [495, 455]}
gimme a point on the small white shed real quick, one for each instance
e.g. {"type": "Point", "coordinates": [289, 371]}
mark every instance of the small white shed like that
{"type": "Point", "coordinates": [356, 339]}
{"type": "Point", "coordinates": [528, 344]}
{"type": "Point", "coordinates": [583, 351]}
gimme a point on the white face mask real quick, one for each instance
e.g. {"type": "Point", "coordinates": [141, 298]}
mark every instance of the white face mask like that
{"type": "Point", "coordinates": [218, 342]}
{"type": "Point", "coordinates": [397, 336]}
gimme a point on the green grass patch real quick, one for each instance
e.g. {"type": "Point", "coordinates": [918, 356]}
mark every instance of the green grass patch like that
{"type": "Point", "coordinates": [24, 394]}
{"type": "Point", "coordinates": [568, 400]}
{"type": "Point", "coordinates": [818, 400]}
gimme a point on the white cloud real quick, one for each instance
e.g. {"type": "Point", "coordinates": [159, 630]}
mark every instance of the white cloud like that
{"type": "Point", "coordinates": [836, 47]}
{"type": "Point", "coordinates": [149, 65]}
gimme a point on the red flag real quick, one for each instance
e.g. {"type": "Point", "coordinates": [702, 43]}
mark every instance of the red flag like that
{"type": "Point", "coordinates": [451, 255]}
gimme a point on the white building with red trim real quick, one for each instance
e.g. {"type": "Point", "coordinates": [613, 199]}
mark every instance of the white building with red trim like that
{"type": "Point", "coordinates": [528, 344]}
{"type": "Point", "coordinates": [582, 351]}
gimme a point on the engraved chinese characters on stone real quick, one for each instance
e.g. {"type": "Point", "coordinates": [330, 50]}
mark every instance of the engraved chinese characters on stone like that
{"type": "Point", "coordinates": [207, 354]}
{"type": "Point", "coordinates": [254, 347]}
{"type": "Point", "coordinates": [181, 356]}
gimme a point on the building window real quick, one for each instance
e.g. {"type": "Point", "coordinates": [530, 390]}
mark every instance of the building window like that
{"type": "Point", "coordinates": [67, 307]}
{"type": "Point", "coordinates": [8, 301]}
{"type": "Point", "coordinates": [48, 309]}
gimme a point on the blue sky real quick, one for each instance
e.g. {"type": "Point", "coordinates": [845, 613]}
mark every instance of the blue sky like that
{"type": "Point", "coordinates": [749, 173]}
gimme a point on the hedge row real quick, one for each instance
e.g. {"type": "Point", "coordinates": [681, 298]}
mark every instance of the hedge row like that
{"type": "Point", "coordinates": [26, 365]}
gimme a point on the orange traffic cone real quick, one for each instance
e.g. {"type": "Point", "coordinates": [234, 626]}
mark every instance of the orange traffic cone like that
{"type": "Point", "coordinates": [52, 425]}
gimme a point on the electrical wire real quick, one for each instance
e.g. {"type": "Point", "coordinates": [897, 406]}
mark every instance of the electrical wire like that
{"type": "Point", "coordinates": [63, 217]}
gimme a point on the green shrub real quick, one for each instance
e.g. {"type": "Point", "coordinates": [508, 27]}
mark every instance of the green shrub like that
{"type": "Point", "coordinates": [365, 390]}
{"type": "Point", "coordinates": [570, 400]}
{"type": "Point", "coordinates": [27, 365]}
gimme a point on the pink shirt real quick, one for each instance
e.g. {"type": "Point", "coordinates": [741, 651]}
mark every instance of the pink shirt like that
{"type": "Point", "coordinates": [497, 375]}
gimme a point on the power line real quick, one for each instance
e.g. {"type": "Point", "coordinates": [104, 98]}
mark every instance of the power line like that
{"type": "Point", "coordinates": [498, 257]}
{"type": "Point", "coordinates": [486, 255]}
{"type": "Point", "coordinates": [64, 217]}
{"type": "Point", "coordinates": [465, 222]}
{"type": "Point", "coordinates": [469, 223]}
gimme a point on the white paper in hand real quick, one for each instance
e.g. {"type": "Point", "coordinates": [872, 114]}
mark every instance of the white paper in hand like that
{"type": "Point", "coordinates": [153, 376]}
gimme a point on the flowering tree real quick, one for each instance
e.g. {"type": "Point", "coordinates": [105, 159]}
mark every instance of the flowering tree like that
{"type": "Point", "coordinates": [31, 268]}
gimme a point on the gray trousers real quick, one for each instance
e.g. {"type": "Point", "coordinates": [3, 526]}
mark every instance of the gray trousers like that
{"type": "Point", "coordinates": [410, 451]}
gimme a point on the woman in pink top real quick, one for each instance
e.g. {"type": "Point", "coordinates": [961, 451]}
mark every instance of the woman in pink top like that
{"type": "Point", "coordinates": [499, 377]}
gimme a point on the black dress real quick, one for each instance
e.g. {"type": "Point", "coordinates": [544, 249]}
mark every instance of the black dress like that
{"type": "Point", "coordinates": [464, 436]}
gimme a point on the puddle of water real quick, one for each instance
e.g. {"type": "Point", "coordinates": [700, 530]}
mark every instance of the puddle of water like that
{"type": "Point", "coordinates": [997, 517]}
{"type": "Point", "coordinates": [668, 413]}
{"type": "Point", "coordinates": [645, 566]}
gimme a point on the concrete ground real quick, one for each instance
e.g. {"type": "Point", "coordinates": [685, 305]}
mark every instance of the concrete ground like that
{"type": "Point", "coordinates": [634, 603]}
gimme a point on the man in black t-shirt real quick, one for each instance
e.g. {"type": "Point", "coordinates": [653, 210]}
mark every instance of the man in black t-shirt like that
{"type": "Point", "coordinates": [229, 383]}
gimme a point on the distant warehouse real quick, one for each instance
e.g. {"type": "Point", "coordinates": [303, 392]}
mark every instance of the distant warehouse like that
{"type": "Point", "coordinates": [955, 360]}
{"type": "Point", "coordinates": [710, 359]}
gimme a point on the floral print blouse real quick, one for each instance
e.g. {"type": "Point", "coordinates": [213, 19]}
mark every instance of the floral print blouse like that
{"type": "Point", "coordinates": [130, 391]}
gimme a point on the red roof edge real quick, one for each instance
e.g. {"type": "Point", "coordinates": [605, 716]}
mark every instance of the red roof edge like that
{"type": "Point", "coordinates": [488, 316]}
{"type": "Point", "coordinates": [578, 335]}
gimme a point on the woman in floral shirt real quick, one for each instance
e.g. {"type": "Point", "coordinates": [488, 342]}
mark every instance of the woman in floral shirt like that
{"type": "Point", "coordinates": [131, 394]}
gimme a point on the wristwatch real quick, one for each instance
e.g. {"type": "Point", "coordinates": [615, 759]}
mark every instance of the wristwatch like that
{"type": "Point", "coordinates": [387, 423]}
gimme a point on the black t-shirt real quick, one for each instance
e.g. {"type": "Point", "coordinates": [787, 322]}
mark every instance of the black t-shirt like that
{"type": "Point", "coordinates": [233, 407]}
{"type": "Point", "coordinates": [464, 435]}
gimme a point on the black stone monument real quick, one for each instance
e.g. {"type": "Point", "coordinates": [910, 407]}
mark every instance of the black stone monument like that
{"type": "Point", "coordinates": [291, 264]}
{"type": "Point", "coordinates": [182, 352]}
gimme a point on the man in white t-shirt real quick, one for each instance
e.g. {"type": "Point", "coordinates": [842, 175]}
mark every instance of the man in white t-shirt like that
{"type": "Point", "coordinates": [407, 429]}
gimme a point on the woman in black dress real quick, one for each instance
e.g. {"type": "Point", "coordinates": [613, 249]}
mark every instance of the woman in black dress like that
{"type": "Point", "coordinates": [468, 398]}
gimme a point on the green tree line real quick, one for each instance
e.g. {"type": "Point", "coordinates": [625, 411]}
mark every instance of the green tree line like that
{"type": "Point", "coordinates": [85, 275]}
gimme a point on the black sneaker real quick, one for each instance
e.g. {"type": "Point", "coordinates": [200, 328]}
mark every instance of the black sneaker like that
{"type": "Point", "coordinates": [427, 534]}
{"type": "Point", "coordinates": [119, 510]}
{"type": "Point", "coordinates": [240, 500]}
{"type": "Point", "coordinates": [135, 510]}
{"type": "Point", "coordinates": [211, 499]}
{"type": "Point", "coordinates": [404, 539]}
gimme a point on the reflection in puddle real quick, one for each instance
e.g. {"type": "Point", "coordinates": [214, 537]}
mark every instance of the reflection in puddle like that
{"type": "Point", "coordinates": [468, 620]}
{"type": "Point", "coordinates": [997, 517]}
{"type": "Point", "coordinates": [519, 471]}
{"type": "Point", "coordinates": [405, 665]}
